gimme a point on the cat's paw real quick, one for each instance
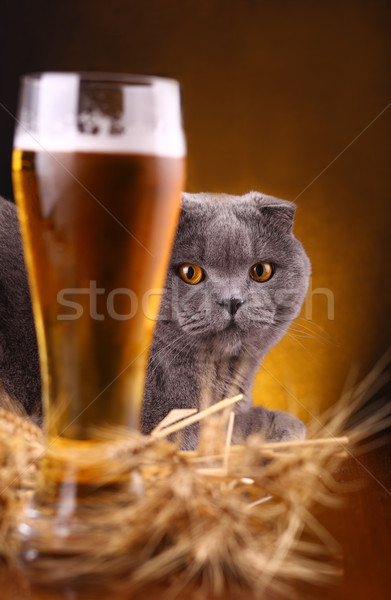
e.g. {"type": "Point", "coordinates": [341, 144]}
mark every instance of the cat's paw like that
{"type": "Point", "coordinates": [284, 427]}
{"type": "Point", "coordinates": [273, 425]}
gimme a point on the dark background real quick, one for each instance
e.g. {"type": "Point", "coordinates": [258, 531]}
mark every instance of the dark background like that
{"type": "Point", "coordinates": [273, 92]}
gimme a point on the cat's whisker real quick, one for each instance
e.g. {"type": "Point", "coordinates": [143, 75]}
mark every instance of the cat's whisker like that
{"type": "Point", "coordinates": [188, 346]}
{"type": "Point", "coordinates": [177, 343]}
{"type": "Point", "coordinates": [290, 335]}
{"type": "Point", "coordinates": [299, 328]}
{"type": "Point", "coordinates": [303, 329]}
{"type": "Point", "coordinates": [294, 331]}
{"type": "Point", "coordinates": [309, 326]}
{"type": "Point", "coordinates": [194, 316]}
{"type": "Point", "coordinates": [191, 347]}
{"type": "Point", "coordinates": [313, 323]}
{"type": "Point", "coordinates": [302, 334]}
{"type": "Point", "coordinates": [196, 327]}
{"type": "Point", "coordinates": [297, 342]}
{"type": "Point", "coordinates": [307, 336]}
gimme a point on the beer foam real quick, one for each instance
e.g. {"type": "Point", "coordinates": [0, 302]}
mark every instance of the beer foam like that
{"type": "Point", "coordinates": [134, 142]}
{"type": "Point", "coordinates": [51, 119]}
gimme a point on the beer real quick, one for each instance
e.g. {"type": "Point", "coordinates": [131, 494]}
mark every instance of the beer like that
{"type": "Point", "coordinates": [98, 166]}
{"type": "Point", "coordinates": [97, 231]}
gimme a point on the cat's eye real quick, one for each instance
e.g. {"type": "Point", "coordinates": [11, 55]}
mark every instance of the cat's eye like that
{"type": "Point", "coordinates": [192, 274]}
{"type": "Point", "coordinates": [261, 271]}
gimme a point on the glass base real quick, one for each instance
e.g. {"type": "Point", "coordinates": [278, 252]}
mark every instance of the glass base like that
{"type": "Point", "coordinates": [74, 521]}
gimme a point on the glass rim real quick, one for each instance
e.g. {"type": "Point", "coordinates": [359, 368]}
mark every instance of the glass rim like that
{"type": "Point", "coordinates": [103, 77]}
{"type": "Point", "coordinates": [49, 113]}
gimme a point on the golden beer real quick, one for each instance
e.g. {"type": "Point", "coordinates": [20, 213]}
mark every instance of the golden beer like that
{"type": "Point", "coordinates": [97, 231]}
{"type": "Point", "coordinates": [98, 166]}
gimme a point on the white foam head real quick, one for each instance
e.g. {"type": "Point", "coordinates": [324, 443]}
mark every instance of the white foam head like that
{"type": "Point", "coordinates": [52, 118]}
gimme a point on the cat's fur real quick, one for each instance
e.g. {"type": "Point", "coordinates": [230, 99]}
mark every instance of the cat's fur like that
{"type": "Point", "coordinates": [201, 353]}
{"type": "Point", "coordinates": [19, 365]}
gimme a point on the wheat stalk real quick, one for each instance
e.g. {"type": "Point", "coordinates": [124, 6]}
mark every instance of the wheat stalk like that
{"type": "Point", "coordinates": [234, 516]}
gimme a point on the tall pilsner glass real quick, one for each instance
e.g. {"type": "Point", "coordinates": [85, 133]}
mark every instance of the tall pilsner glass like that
{"type": "Point", "coordinates": [98, 165]}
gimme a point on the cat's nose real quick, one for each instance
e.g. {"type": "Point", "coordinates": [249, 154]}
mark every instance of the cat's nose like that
{"type": "Point", "coordinates": [232, 305]}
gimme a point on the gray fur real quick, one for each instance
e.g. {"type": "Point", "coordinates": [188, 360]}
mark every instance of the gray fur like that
{"type": "Point", "coordinates": [19, 366]}
{"type": "Point", "coordinates": [199, 349]}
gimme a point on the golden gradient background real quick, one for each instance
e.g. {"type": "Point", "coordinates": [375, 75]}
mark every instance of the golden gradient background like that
{"type": "Point", "coordinates": [279, 97]}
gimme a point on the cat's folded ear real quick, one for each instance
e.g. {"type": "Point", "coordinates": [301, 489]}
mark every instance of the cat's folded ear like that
{"type": "Point", "coordinates": [191, 203]}
{"type": "Point", "coordinates": [274, 210]}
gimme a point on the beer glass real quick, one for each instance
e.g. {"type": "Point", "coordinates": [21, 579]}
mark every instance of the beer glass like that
{"type": "Point", "coordinates": [98, 166]}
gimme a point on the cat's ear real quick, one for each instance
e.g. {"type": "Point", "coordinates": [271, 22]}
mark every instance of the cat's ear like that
{"type": "Point", "coordinates": [194, 208]}
{"type": "Point", "coordinates": [275, 211]}
{"type": "Point", "coordinates": [192, 203]}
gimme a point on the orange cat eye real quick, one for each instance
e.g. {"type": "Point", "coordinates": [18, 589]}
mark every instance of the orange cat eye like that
{"type": "Point", "coordinates": [261, 271]}
{"type": "Point", "coordinates": [191, 274]}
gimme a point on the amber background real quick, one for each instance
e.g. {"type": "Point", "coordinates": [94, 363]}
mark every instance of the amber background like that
{"type": "Point", "coordinates": [273, 92]}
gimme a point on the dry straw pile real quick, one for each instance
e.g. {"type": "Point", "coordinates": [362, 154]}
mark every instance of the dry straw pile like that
{"type": "Point", "coordinates": [224, 515]}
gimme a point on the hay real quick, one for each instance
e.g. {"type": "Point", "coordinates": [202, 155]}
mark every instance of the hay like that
{"type": "Point", "coordinates": [223, 515]}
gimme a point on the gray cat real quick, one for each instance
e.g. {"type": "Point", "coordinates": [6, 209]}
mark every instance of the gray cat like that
{"type": "Point", "coordinates": [236, 280]}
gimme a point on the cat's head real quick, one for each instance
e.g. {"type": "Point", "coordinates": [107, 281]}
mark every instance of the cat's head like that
{"type": "Point", "coordinates": [237, 272]}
